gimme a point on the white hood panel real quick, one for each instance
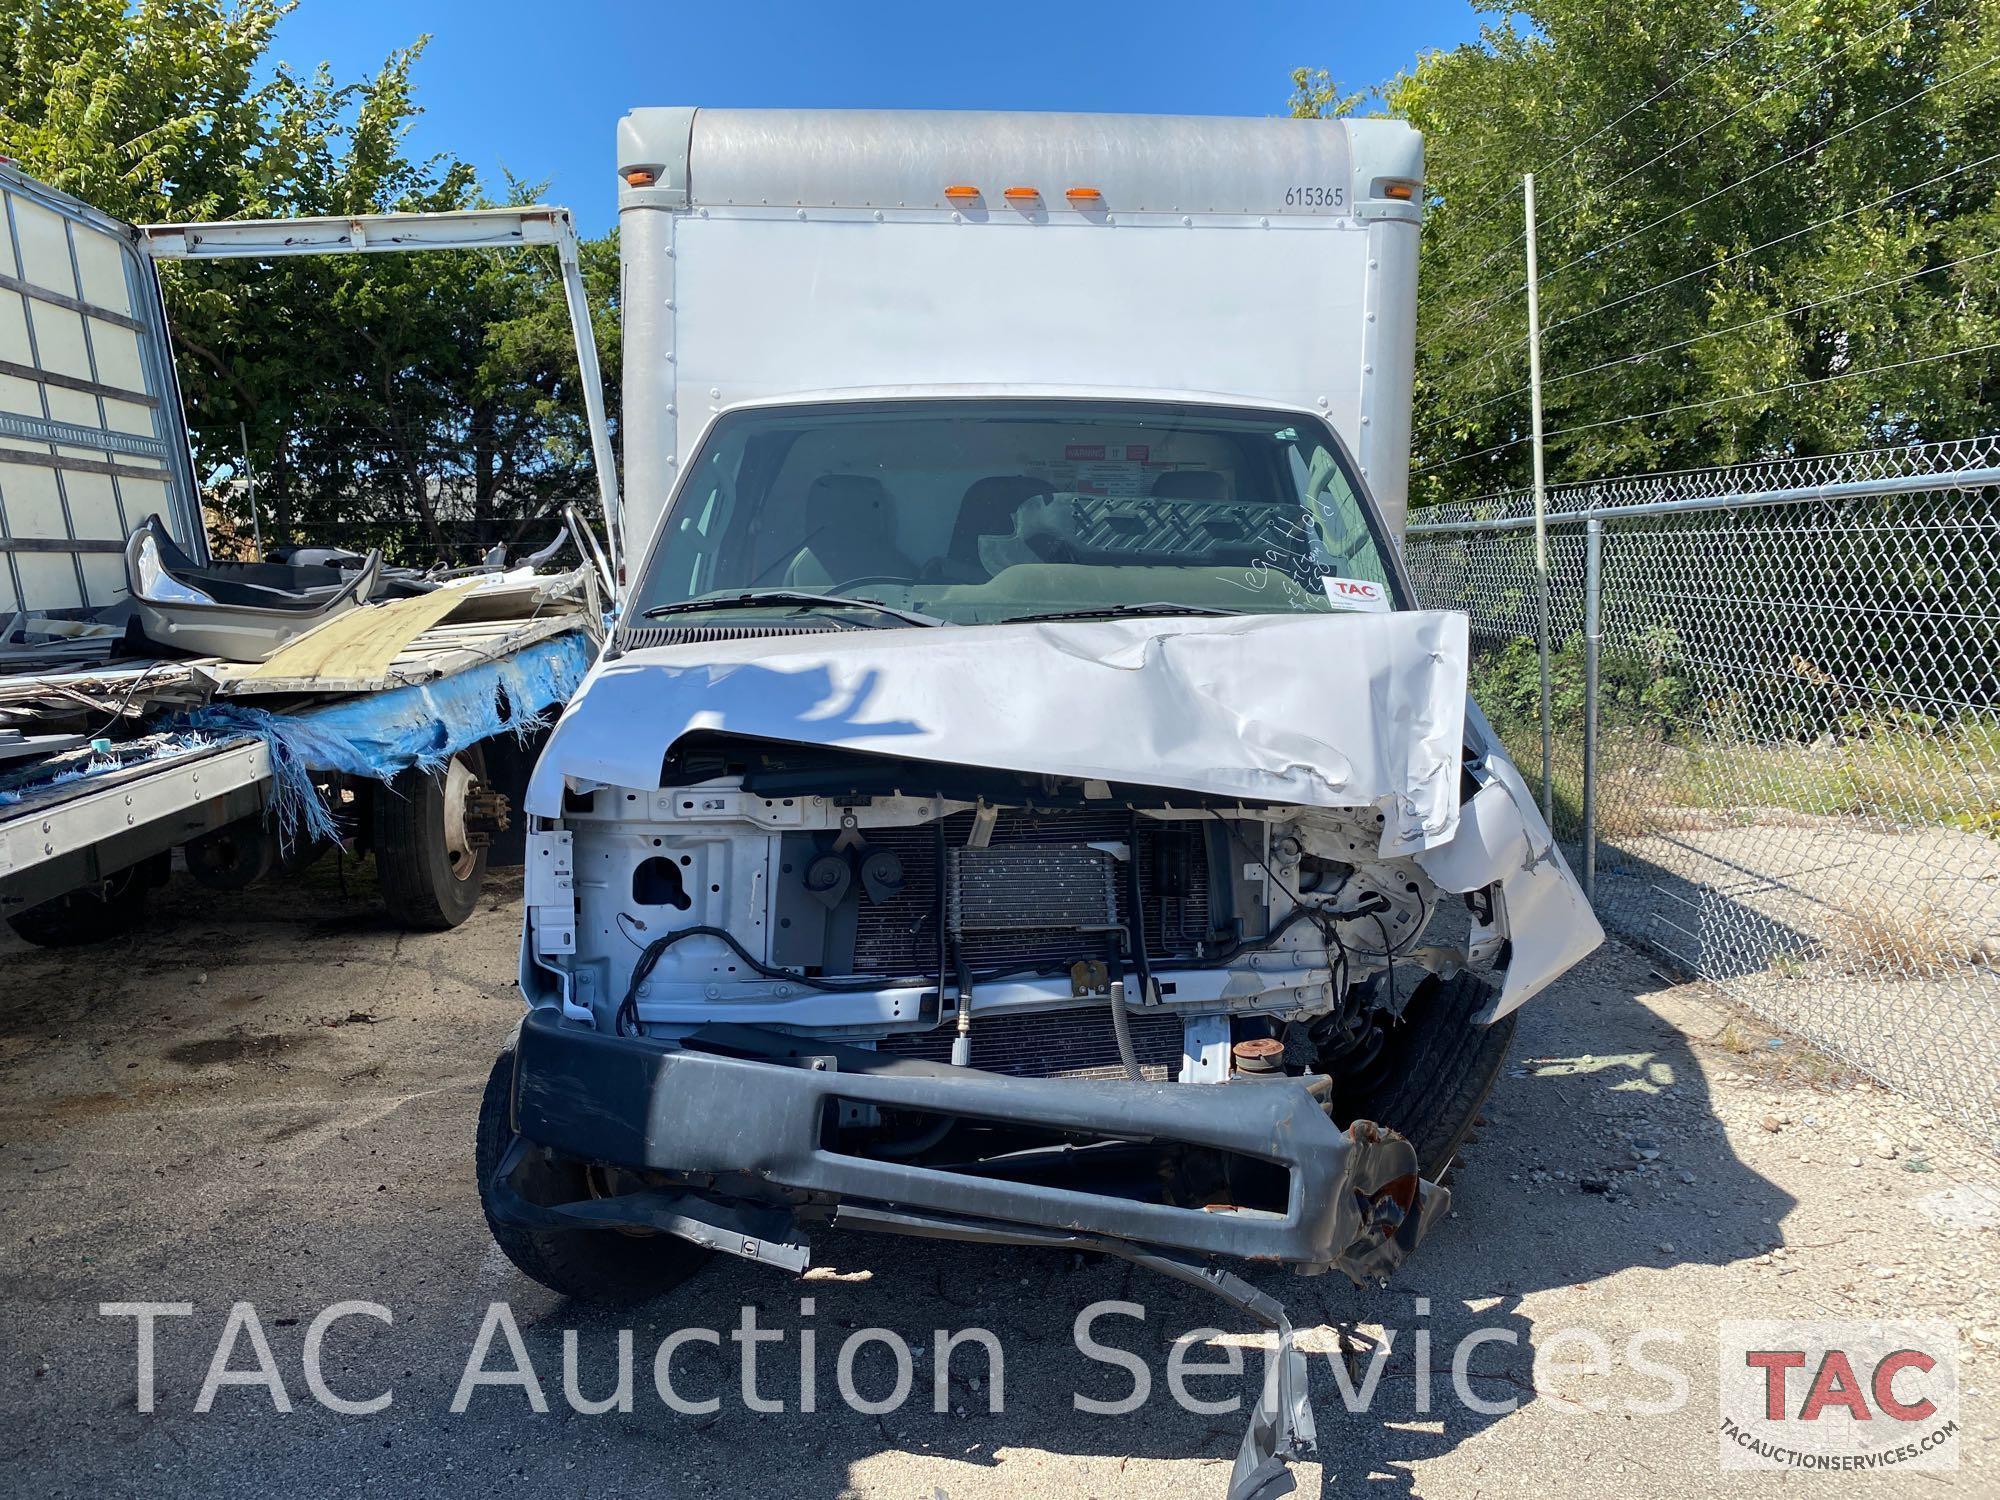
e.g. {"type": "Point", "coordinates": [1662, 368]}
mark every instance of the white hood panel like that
{"type": "Point", "coordinates": [1337, 711]}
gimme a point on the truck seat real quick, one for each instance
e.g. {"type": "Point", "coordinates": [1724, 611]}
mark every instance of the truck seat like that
{"type": "Point", "coordinates": [988, 509]}
{"type": "Point", "coordinates": [853, 535]}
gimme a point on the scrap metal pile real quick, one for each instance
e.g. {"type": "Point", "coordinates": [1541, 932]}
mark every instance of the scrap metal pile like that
{"type": "Point", "coordinates": [341, 664]}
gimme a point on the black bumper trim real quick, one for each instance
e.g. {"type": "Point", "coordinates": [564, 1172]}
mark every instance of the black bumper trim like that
{"type": "Point", "coordinates": [638, 1103]}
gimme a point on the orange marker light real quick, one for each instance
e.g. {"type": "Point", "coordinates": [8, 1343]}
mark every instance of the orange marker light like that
{"type": "Point", "coordinates": [1085, 198]}
{"type": "Point", "coordinates": [640, 177]}
{"type": "Point", "coordinates": [959, 192]}
{"type": "Point", "coordinates": [1405, 191]}
{"type": "Point", "coordinates": [1023, 197]}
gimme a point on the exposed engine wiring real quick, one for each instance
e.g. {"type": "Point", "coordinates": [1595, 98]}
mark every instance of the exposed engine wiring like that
{"type": "Point", "coordinates": [1388, 959]}
{"type": "Point", "coordinates": [649, 958]}
{"type": "Point", "coordinates": [626, 1017]}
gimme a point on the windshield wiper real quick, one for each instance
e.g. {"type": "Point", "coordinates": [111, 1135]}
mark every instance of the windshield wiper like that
{"type": "Point", "coordinates": [1105, 611]}
{"type": "Point", "coordinates": [755, 598]}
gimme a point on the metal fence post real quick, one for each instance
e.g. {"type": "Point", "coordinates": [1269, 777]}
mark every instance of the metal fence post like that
{"type": "Point", "coordinates": [1541, 497]}
{"type": "Point", "coordinates": [1593, 634]}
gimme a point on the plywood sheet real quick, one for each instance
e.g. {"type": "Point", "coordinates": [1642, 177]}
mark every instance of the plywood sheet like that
{"type": "Point", "coordinates": [362, 642]}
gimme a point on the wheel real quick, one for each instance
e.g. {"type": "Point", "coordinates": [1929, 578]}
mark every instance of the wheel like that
{"type": "Point", "coordinates": [430, 866]}
{"type": "Point", "coordinates": [233, 856]}
{"type": "Point", "coordinates": [1436, 1068]}
{"type": "Point", "coordinates": [106, 910]}
{"type": "Point", "coordinates": [591, 1265]}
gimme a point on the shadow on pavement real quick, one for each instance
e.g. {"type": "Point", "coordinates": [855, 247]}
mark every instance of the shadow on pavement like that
{"type": "Point", "coordinates": [339, 1166]}
{"type": "Point", "coordinates": [1599, 1156]}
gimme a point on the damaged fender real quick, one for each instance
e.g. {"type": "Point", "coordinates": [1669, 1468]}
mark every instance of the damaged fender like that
{"type": "Point", "coordinates": [1542, 914]}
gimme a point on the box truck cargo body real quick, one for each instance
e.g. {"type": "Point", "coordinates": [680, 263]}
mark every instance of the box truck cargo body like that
{"type": "Point", "coordinates": [773, 252]}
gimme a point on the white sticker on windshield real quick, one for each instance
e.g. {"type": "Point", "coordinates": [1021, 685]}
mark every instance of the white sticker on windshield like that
{"type": "Point", "coordinates": [1356, 593]}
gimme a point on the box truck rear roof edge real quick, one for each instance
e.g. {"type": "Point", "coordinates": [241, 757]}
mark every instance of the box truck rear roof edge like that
{"type": "Point", "coordinates": [778, 252]}
{"type": "Point", "coordinates": [889, 158]}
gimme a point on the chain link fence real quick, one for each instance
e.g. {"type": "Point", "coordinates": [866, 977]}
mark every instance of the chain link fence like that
{"type": "Point", "coordinates": [1775, 747]}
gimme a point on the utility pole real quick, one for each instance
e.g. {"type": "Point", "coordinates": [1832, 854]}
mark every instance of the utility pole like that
{"type": "Point", "coordinates": [250, 479]}
{"type": "Point", "coordinates": [1541, 499]}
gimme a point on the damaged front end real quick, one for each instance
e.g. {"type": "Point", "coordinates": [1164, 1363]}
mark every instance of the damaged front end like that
{"type": "Point", "coordinates": [818, 933]}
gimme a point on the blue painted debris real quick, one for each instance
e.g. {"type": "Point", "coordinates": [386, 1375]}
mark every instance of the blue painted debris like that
{"type": "Point", "coordinates": [105, 755]}
{"type": "Point", "coordinates": [411, 728]}
{"type": "Point", "coordinates": [375, 735]}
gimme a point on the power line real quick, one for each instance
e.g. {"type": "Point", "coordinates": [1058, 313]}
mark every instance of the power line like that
{"type": "Point", "coordinates": [1785, 161]}
{"type": "Point", "coordinates": [1783, 82]}
{"type": "Point", "coordinates": [1716, 333]}
{"type": "Point", "coordinates": [1491, 302]}
{"type": "Point", "coordinates": [1466, 276]}
{"type": "Point", "coordinates": [1736, 255]}
{"type": "Point", "coordinates": [1668, 411]}
{"type": "Point", "coordinates": [1707, 58]}
{"type": "Point", "coordinates": [1712, 57]}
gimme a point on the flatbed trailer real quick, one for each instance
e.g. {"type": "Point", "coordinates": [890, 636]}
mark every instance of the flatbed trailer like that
{"type": "Point", "coordinates": [403, 725]}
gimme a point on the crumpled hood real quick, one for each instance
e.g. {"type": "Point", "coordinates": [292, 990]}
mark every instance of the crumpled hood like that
{"type": "Point", "coordinates": [1337, 711]}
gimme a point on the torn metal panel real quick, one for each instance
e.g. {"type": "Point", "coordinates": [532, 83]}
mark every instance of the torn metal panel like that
{"type": "Point", "coordinates": [1501, 837]}
{"type": "Point", "coordinates": [99, 695]}
{"type": "Point", "coordinates": [415, 639]}
{"type": "Point", "coordinates": [1337, 711]}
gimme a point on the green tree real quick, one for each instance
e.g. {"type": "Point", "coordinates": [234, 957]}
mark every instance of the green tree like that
{"type": "Point", "coordinates": [425, 401]}
{"type": "Point", "coordinates": [1765, 230]}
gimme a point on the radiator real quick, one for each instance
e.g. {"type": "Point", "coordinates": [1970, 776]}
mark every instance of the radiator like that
{"type": "Point", "coordinates": [900, 936]}
{"type": "Point", "coordinates": [1056, 1044]}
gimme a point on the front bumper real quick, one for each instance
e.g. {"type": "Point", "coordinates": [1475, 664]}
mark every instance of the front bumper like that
{"type": "Point", "coordinates": [751, 1109]}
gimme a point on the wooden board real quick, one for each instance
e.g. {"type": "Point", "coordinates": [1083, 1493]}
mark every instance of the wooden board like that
{"type": "Point", "coordinates": [360, 642]}
{"type": "Point", "coordinates": [438, 652]}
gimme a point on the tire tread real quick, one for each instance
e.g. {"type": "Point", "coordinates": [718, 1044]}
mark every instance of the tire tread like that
{"type": "Point", "coordinates": [1443, 1070]}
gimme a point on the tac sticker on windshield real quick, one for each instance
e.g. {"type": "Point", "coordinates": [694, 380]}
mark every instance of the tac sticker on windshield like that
{"type": "Point", "coordinates": [1356, 593]}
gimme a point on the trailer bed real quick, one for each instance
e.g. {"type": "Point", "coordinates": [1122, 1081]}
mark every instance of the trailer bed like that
{"type": "Point", "coordinates": [156, 791]}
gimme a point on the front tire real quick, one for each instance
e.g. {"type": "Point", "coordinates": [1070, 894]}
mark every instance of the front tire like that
{"type": "Point", "coordinates": [1436, 1069]}
{"type": "Point", "coordinates": [590, 1265]}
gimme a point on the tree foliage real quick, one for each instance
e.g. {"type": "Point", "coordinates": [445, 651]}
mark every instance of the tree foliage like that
{"type": "Point", "coordinates": [1766, 229]}
{"type": "Point", "coordinates": [424, 400]}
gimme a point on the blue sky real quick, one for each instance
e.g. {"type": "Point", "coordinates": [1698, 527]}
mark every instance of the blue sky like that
{"type": "Point", "coordinates": [538, 87]}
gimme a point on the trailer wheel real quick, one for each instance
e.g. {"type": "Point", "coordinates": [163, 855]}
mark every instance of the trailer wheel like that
{"type": "Point", "coordinates": [106, 910]}
{"type": "Point", "coordinates": [430, 864]}
{"type": "Point", "coordinates": [1436, 1068]}
{"type": "Point", "coordinates": [233, 856]}
{"type": "Point", "coordinates": [591, 1265]}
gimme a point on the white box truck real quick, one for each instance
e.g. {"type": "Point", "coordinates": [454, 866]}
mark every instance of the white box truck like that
{"type": "Point", "coordinates": [1022, 800]}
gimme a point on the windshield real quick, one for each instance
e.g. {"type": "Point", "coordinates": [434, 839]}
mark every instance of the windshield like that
{"type": "Point", "coordinates": [977, 512]}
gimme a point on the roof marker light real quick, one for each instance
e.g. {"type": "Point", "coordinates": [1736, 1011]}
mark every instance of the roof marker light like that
{"type": "Point", "coordinates": [1404, 191]}
{"type": "Point", "coordinates": [960, 192]}
{"type": "Point", "coordinates": [1085, 198]}
{"type": "Point", "coordinates": [1023, 197]}
{"type": "Point", "coordinates": [641, 177]}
